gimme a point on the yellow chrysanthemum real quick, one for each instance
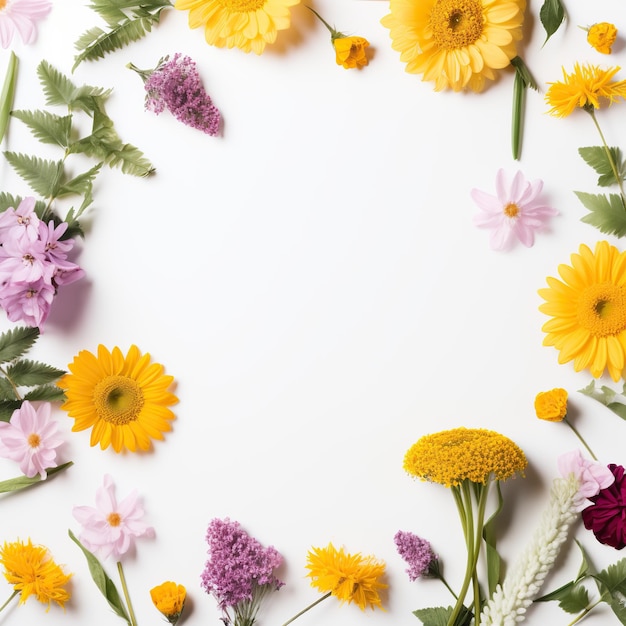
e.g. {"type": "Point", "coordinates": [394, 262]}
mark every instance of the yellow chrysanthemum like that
{"type": "Point", "coordinates": [123, 399]}
{"type": "Point", "coordinates": [169, 599]}
{"type": "Point", "coordinates": [588, 311]}
{"type": "Point", "coordinates": [583, 89]}
{"type": "Point", "coordinates": [455, 43]}
{"type": "Point", "coordinates": [348, 577]}
{"type": "Point", "coordinates": [451, 457]}
{"type": "Point", "coordinates": [551, 405]}
{"type": "Point", "coordinates": [602, 36]}
{"type": "Point", "coordinates": [32, 572]}
{"type": "Point", "coordinates": [245, 24]}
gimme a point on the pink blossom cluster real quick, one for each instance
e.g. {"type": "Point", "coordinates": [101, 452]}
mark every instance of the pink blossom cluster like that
{"type": "Point", "coordinates": [417, 553]}
{"type": "Point", "coordinates": [238, 565]}
{"type": "Point", "coordinates": [33, 263]}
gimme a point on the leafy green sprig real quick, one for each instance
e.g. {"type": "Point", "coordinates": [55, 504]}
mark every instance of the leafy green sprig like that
{"type": "Point", "coordinates": [49, 178]}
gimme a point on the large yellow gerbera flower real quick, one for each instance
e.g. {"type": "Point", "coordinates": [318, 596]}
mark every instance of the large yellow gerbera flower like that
{"type": "Point", "coordinates": [588, 310]}
{"type": "Point", "coordinates": [245, 24]}
{"type": "Point", "coordinates": [455, 43]}
{"type": "Point", "coordinates": [123, 399]}
{"type": "Point", "coordinates": [32, 572]}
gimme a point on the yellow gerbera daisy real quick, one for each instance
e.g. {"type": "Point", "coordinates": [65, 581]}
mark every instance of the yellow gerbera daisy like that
{"type": "Point", "coordinates": [348, 577]}
{"type": "Point", "coordinates": [32, 572]}
{"type": "Point", "coordinates": [245, 24]}
{"type": "Point", "coordinates": [588, 310]}
{"type": "Point", "coordinates": [123, 399]}
{"type": "Point", "coordinates": [455, 43]}
{"type": "Point", "coordinates": [583, 89]}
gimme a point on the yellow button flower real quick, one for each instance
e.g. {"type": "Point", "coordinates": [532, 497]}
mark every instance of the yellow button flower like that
{"type": "Point", "coordinates": [551, 405]}
{"type": "Point", "coordinates": [169, 599]}
{"type": "Point", "coordinates": [602, 36]}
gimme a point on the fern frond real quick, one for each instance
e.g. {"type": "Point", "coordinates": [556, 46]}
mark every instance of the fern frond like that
{"type": "Point", "coordinates": [43, 176]}
{"type": "Point", "coordinates": [47, 127]}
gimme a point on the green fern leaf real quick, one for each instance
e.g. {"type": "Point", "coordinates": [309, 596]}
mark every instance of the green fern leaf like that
{"type": "Point", "coordinates": [45, 393]}
{"type": "Point", "coordinates": [131, 160]}
{"type": "Point", "coordinates": [57, 88]}
{"type": "Point", "coordinates": [29, 373]}
{"type": "Point", "coordinates": [16, 341]}
{"type": "Point", "coordinates": [42, 175]}
{"type": "Point", "coordinates": [81, 183]}
{"type": "Point", "coordinates": [599, 160]}
{"type": "Point", "coordinates": [7, 407]}
{"type": "Point", "coordinates": [47, 127]}
{"type": "Point", "coordinates": [607, 213]}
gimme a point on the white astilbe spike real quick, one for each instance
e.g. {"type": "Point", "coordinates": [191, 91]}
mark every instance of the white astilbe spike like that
{"type": "Point", "coordinates": [511, 599]}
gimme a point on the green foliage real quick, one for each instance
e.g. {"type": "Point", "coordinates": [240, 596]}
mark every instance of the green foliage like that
{"type": "Point", "coordinates": [127, 21]}
{"type": "Point", "coordinates": [602, 160]}
{"type": "Point", "coordinates": [43, 175]}
{"type": "Point", "coordinates": [494, 561]}
{"type": "Point", "coordinates": [7, 94]}
{"type": "Point", "coordinates": [439, 616]}
{"type": "Point", "coordinates": [612, 586]}
{"type": "Point", "coordinates": [23, 482]}
{"type": "Point", "coordinates": [611, 399]}
{"type": "Point", "coordinates": [47, 127]}
{"type": "Point", "coordinates": [551, 14]}
{"type": "Point", "coordinates": [607, 212]}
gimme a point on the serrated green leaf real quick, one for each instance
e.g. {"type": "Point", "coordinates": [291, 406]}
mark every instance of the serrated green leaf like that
{"type": "Point", "coordinates": [131, 160]}
{"type": "Point", "coordinates": [103, 582]}
{"type": "Point", "coordinates": [23, 482]}
{"type": "Point", "coordinates": [562, 592]}
{"type": "Point", "coordinates": [551, 14]}
{"type": "Point", "coordinates": [81, 184]}
{"type": "Point", "coordinates": [7, 407]}
{"type": "Point", "coordinates": [47, 127]}
{"type": "Point", "coordinates": [8, 93]}
{"type": "Point", "coordinates": [603, 162]}
{"type": "Point", "coordinates": [57, 87]}
{"type": "Point", "coordinates": [439, 616]}
{"type": "Point", "coordinates": [16, 341]}
{"type": "Point", "coordinates": [583, 570]}
{"type": "Point", "coordinates": [43, 175]}
{"type": "Point", "coordinates": [618, 608]}
{"type": "Point", "coordinates": [607, 213]}
{"type": "Point", "coordinates": [29, 373]}
{"type": "Point", "coordinates": [47, 393]}
{"type": "Point", "coordinates": [494, 561]}
{"type": "Point", "coordinates": [575, 600]}
{"type": "Point", "coordinates": [608, 397]}
{"type": "Point", "coordinates": [7, 391]}
{"type": "Point", "coordinates": [613, 579]}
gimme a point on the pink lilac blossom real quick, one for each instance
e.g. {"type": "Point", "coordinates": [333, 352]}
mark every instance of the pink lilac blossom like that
{"type": "Point", "coordinates": [20, 16]}
{"type": "Point", "coordinates": [175, 85]}
{"type": "Point", "coordinates": [30, 438]}
{"type": "Point", "coordinates": [110, 529]}
{"type": "Point", "coordinates": [417, 553]}
{"type": "Point", "coordinates": [515, 212]}
{"type": "Point", "coordinates": [592, 476]}
{"type": "Point", "coordinates": [239, 570]}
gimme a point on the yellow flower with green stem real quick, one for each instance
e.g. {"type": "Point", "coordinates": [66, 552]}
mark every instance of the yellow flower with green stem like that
{"type": "Point", "coordinates": [467, 461]}
{"type": "Point", "coordinates": [169, 598]}
{"type": "Point", "coordinates": [602, 36]}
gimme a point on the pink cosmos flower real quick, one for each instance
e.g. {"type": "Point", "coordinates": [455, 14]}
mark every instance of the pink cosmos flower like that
{"type": "Point", "coordinates": [515, 212]}
{"type": "Point", "coordinates": [30, 438]}
{"type": "Point", "coordinates": [27, 302]}
{"type": "Point", "coordinates": [593, 476]}
{"type": "Point", "coordinates": [20, 16]}
{"type": "Point", "coordinates": [20, 222]}
{"type": "Point", "coordinates": [110, 528]}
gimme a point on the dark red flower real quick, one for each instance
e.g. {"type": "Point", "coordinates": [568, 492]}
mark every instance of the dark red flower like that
{"type": "Point", "coordinates": [606, 517]}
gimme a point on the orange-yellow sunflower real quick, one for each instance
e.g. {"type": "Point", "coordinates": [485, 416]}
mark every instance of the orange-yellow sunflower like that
{"type": "Point", "coordinates": [123, 400]}
{"type": "Point", "coordinates": [458, 44]}
{"type": "Point", "coordinates": [245, 24]}
{"type": "Point", "coordinates": [588, 310]}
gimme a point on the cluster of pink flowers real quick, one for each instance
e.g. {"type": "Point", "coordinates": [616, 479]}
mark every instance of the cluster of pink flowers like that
{"type": "Point", "coordinates": [417, 553]}
{"type": "Point", "coordinates": [33, 263]}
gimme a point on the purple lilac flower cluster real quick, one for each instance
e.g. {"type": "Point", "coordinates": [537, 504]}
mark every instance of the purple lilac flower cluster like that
{"type": "Point", "coordinates": [175, 84]}
{"type": "Point", "coordinates": [239, 567]}
{"type": "Point", "coordinates": [33, 263]}
{"type": "Point", "coordinates": [417, 552]}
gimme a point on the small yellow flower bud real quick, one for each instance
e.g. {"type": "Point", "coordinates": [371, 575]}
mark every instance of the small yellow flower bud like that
{"type": "Point", "coordinates": [551, 405]}
{"type": "Point", "coordinates": [602, 36]}
{"type": "Point", "coordinates": [350, 51]}
{"type": "Point", "coordinates": [169, 598]}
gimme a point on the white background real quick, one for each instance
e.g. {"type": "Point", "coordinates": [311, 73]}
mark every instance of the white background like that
{"type": "Point", "coordinates": [313, 280]}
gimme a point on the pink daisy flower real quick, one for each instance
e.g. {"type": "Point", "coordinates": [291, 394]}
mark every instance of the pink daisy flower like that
{"type": "Point", "coordinates": [30, 438]}
{"type": "Point", "coordinates": [515, 212]}
{"type": "Point", "coordinates": [110, 528]}
{"type": "Point", "coordinates": [20, 16]}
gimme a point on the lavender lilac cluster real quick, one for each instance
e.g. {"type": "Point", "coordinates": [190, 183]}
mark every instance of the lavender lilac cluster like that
{"type": "Point", "coordinates": [238, 565]}
{"type": "Point", "coordinates": [175, 84]}
{"type": "Point", "coordinates": [33, 263]}
{"type": "Point", "coordinates": [417, 552]}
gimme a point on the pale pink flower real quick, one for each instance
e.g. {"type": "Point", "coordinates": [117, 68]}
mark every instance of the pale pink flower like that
{"type": "Point", "coordinates": [515, 212]}
{"type": "Point", "coordinates": [20, 16]}
{"type": "Point", "coordinates": [27, 302]}
{"type": "Point", "coordinates": [592, 476]}
{"type": "Point", "coordinates": [110, 528]}
{"type": "Point", "coordinates": [30, 438]}
{"type": "Point", "coordinates": [20, 222]}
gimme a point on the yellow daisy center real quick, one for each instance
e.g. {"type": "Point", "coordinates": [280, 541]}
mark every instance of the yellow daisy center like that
{"type": "Point", "coordinates": [118, 399]}
{"type": "Point", "coordinates": [240, 6]}
{"type": "Point", "coordinates": [511, 210]}
{"type": "Point", "coordinates": [114, 519]}
{"type": "Point", "coordinates": [33, 439]}
{"type": "Point", "coordinates": [602, 310]}
{"type": "Point", "coordinates": [456, 23]}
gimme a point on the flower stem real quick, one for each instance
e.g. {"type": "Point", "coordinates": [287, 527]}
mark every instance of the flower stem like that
{"type": "Point", "coordinates": [585, 612]}
{"type": "Point", "coordinates": [297, 615]}
{"type": "Point", "coordinates": [9, 600]}
{"type": "Point", "coordinates": [131, 612]}
{"type": "Point", "coordinates": [334, 34]}
{"type": "Point", "coordinates": [609, 156]}
{"type": "Point", "coordinates": [580, 437]}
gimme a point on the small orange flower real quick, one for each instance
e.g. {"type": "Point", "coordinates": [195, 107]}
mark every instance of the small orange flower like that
{"type": "Point", "coordinates": [551, 405]}
{"type": "Point", "coordinates": [169, 598]}
{"type": "Point", "coordinates": [350, 51]}
{"type": "Point", "coordinates": [602, 36]}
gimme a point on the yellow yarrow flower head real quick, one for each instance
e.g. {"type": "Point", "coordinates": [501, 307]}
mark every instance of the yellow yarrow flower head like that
{"type": "Point", "coordinates": [551, 405]}
{"type": "Point", "coordinates": [32, 572]}
{"type": "Point", "coordinates": [451, 457]}
{"type": "Point", "coordinates": [169, 598]}
{"type": "Point", "coordinates": [602, 36]}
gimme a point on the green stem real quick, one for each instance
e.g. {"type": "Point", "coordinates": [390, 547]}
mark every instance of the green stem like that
{"type": "Point", "coordinates": [8, 93]}
{"type": "Point", "coordinates": [585, 612]}
{"type": "Point", "coordinates": [519, 90]}
{"type": "Point", "coordinates": [133, 619]}
{"type": "Point", "coordinates": [334, 34]}
{"type": "Point", "coordinates": [9, 600]}
{"type": "Point", "coordinates": [297, 615]}
{"type": "Point", "coordinates": [580, 437]}
{"type": "Point", "coordinates": [609, 156]}
{"type": "Point", "coordinates": [445, 582]}
{"type": "Point", "coordinates": [13, 385]}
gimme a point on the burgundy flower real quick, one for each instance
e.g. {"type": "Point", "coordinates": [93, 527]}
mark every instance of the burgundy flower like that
{"type": "Point", "coordinates": [606, 517]}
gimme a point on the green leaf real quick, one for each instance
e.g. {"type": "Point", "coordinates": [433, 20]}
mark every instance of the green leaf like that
{"type": "Point", "coordinates": [47, 393]}
{"type": "Point", "coordinates": [7, 407]}
{"type": "Point", "coordinates": [575, 600]}
{"type": "Point", "coordinates": [103, 582]}
{"type": "Point", "coordinates": [617, 606]}
{"type": "Point", "coordinates": [22, 482]}
{"type": "Point", "coordinates": [439, 616]}
{"type": "Point", "coordinates": [47, 127]}
{"type": "Point", "coordinates": [551, 14]}
{"type": "Point", "coordinates": [57, 88]}
{"type": "Point", "coordinates": [608, 213]}
{"type": "Point", "coordinates": [7, 200]}
{"type": "Point", "coordinates": [81, 184]}
{"type": "Point", "coordinates": [494, 561]}
{"type": "Point", "coordinates": [16, 341]}
{"type": "Point", "coordinates": [598, 158]}
{"type": "Point", "coordinates": [42, 175]}
{"type": "Point", "coordinates": [613, 578]}
{"type": "Point", "coordinates": [31, 373]}
{"type": "Point", "coordinates": [605, 395]}
{"type": "Point", "coordinates": [131, 160]}
{"type": "Point", "coordinates": [7, 94]}
{"type": "Point", "coordinates": [7, 391]}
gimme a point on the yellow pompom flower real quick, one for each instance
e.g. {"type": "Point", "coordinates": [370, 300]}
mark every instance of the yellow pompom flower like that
{"type": "Point", "coordinates": [602, 36]}
{"type": "Point", "coordinates": [169, 598]}
{"type": "Point", "coordinates": [123, 399]}
{"type": "Point", "coordinates": [245, 24]}
{"type": "Point", "coordinates": [32, 572]}
{"type": "Point", "coordinates": [458, 44]}
{"type": "Point", "coordinates": [551, 405]}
